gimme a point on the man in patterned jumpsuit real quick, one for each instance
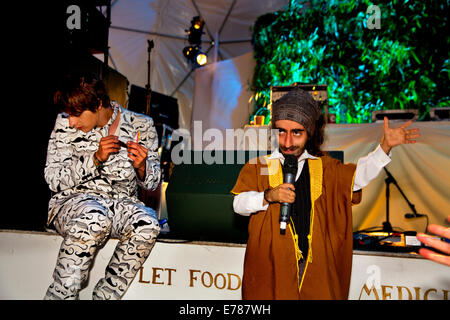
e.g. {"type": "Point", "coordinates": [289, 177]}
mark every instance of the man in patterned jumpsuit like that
{"type": "Point", "coordinates": [98, 154]}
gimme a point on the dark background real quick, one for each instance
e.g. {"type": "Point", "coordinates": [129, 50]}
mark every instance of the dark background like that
{"type": "Point", "coordinates": [37, 53]}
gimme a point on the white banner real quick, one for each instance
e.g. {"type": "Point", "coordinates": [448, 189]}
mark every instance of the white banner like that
{"type": "Point", "coordinates": [379, 277]}
{"type": "Point", "coordinates": [204, 271]}
{"type": "Point", "coordinates": [173, 270]}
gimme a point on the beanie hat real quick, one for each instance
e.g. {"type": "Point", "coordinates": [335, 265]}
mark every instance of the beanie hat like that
{"type": "Point", "coordinates": [299, 106]}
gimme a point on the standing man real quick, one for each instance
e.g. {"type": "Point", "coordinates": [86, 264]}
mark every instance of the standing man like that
{"type": "Point", "coordinates": [313, 259]}
{"type": "Point", "coordinates": [97, 156]}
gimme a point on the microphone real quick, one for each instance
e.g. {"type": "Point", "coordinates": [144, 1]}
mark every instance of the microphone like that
{"type": "Point", "coordinates": [289, 173]}
{"type": "Point", "coordinates": [414, 215]}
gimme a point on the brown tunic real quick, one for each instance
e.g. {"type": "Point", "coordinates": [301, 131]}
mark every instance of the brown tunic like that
{"type": "Point", "coordinates": [271, 269]}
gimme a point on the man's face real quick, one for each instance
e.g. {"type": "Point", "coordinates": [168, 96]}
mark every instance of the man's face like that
{"type": "Point", "coordinates": [85, 121]}
{"type": "Point", "coordinates": [292, 137]}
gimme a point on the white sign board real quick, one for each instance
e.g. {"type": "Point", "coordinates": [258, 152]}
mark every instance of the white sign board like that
{"type": "Point", "coordinates": [204, 271]}
{"type": "Point", "coordinates": [378, 277]}
{"type": "Point", "coordinates": [173, 270]}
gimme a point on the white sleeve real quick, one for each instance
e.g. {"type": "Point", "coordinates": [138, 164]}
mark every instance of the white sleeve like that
{"type": "Point", "coordinates": [149, 139]}
{"type": "Point", "coordinates": [248, 202]}
{"type": "Point", "coordinates": [368, 167]}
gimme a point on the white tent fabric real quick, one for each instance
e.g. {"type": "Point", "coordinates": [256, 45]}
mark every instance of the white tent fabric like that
{"type": "Point", "coordinates": [133, 22]}
{"type": "Point", "coordinates": [222, 93]}
{"type": "Point", "coordinates": [421, 171]}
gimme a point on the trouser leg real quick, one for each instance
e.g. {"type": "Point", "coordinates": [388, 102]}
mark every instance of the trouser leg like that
{"type": "Point", "coordinates": [84, 227]}
{"type": "Point", "coordinates": [137, 228]}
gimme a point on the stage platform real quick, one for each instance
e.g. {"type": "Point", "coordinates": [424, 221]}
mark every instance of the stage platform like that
{"type": "Point", "coordinates": [179, 269]}
{"type": "Point", "coordinates": [193, 270]}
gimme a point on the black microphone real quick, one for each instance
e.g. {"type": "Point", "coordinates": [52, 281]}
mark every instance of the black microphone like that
{"type": "Point", "coordinates": [414, 215]}
{"type": "Point", "coordinates": [289, 173]}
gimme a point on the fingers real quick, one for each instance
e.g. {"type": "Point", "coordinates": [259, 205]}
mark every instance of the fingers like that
{"type": "Point", "coordinates": [111, 144]}
{"type": "Point", "coordinates": [283, 193]}
{"type": "Point", "coordinates": [396, 136]}
{"type": "Point", "coordinates": [386, 123]}
{"type": "Point", "coordinates": [403, 126]}
{"type": "Point", "coordinates": [288, 186]}
{"type": "Point", "coordinates": [439, 230]}
{"type": "Point", "coordinates": [137, 153]}
{"type": "Point", "coordinates": [412, 133]}
{"type": "Point", "coordinates": [434, 243]}
{"type": "Point", "coordinates": [441, 245]}
{"type": "Point", "coordinates": [109, 141]}
{"type": "Point", "coordinates": [107, 145]}
{"type": "Point", "coordinates": [436, 257]}
{"type": "Point", "coordinates": [136, 149]}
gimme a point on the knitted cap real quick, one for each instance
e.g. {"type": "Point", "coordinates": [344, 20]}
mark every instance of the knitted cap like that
{"type": "Point", "coordinates": [299, 106]}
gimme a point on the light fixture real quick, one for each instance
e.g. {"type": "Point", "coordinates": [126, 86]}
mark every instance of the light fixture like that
{"type": "Point", "coordinates": [193, 53]}
{"type": "Point", "coordinates": [201, 59]}
{"type": "Point", "coordinates": [190, 52]}
{"type": "Point", "coordinates": [195, 32]}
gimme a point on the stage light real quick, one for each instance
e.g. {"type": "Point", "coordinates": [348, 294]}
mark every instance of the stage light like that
{"type": "Point", "coordinates": [195, 56]}
{"type": "Point", "coordinates": [195, 32]}
{"type": "Point", "coordinates": [201, 59]}
{"type": "Point", "coordinates": [193, 52]}
{"type": "Point", "coordinates": [198, 23]}
{"type": "Point", "coordinates": [189, 52]}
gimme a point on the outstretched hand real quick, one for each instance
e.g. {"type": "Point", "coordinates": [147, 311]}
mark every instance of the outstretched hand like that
{"type": "Point", "coordinates": [395, 136]}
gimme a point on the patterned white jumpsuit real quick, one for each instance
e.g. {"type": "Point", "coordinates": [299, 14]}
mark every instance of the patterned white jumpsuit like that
{"type": "Point", "coordinates": [93, 203]}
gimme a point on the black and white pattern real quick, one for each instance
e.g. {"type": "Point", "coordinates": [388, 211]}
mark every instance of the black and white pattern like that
{"type": "Point", "coordinates": [91, 204]}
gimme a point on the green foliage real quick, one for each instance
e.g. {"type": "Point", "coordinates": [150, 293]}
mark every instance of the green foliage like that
{"type": "Point", "coordinates": [404, 64]}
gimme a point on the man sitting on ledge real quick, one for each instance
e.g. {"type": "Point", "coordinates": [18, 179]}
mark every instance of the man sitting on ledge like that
{"type": "Point", "coordinates": [95, 176]}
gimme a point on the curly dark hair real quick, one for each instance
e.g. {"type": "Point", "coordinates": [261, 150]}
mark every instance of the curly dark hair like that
{"type": "Point", "coordinates": [314, 143]}
{"type": "Point", "coordinates": [80, 92]}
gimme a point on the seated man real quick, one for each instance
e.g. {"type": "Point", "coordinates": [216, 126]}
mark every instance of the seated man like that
{"type": "Point", "coordinates": [98, 154]}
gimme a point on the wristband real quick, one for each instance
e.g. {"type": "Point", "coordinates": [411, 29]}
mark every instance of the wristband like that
{"type": "Point", "coordinates": [97, 162]}
{"type": "Point", "coordinates": [265, 196]}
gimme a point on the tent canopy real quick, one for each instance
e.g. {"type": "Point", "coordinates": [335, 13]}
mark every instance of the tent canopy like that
{"type": "Point", "coordinates": [228, 32]}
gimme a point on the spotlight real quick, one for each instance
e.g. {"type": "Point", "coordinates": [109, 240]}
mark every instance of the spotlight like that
{"type": "Point", "coordinates": [195, 56]}
{"type": "Point", "coordinates": [196, 31]}
{"type": "Point", "coordinates": [201, 59]}
{"type": "Point", "coordinates": [190, 52]}
{"type": "Point", "coordinates": [193, 52]}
